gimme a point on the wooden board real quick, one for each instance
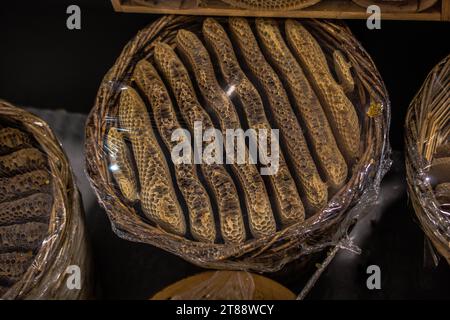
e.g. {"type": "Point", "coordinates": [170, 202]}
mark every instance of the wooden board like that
{"type": "Point", "coordinates": [329, 9]}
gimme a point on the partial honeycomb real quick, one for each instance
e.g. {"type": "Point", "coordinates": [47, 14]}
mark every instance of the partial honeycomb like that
{"type": "Point", "coordinates": [25, 203]}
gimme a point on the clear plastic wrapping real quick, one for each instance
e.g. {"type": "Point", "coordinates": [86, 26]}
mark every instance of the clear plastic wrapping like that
{"type": "Point", "coordinates": [309, 83]}
{"type": "Point", "coordinates": [43, 246]}
{"type": "Point", "coordinates": [225, 285]}
{"type": "Point", "coordinates": [428, 157]}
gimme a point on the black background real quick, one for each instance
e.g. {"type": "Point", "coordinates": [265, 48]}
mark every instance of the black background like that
{"type": "Point", "coordinates": [45, 65]}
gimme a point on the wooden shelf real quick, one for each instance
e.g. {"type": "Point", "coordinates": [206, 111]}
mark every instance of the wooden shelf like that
{"type": "Point", "coordinates": [330, 9]}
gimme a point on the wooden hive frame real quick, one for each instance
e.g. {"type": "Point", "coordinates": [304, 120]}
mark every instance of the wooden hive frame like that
{"type": "Point", "coordinates": [329, 9]}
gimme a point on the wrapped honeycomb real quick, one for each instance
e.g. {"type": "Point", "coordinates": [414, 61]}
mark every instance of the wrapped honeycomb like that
{"type": "Point", "coordinates": [42, 231]}
{"type": "Point", "coordinates": [309, 84]}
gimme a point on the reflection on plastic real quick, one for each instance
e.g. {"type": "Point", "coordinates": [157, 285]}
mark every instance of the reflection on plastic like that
{"type": "Point", "coordinates": [223, 285]}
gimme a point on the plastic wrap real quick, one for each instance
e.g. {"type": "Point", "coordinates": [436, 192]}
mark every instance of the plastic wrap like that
{"type": "Point", "coordinates": [225, 285]}
{"type": "Point", "coordinates": [43, 246]}
{"type": "Point", "coordinates": [428, 157]}
{"type": "Point", "coordinates": [128, 154]}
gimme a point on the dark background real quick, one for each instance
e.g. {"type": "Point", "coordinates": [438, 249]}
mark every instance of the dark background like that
{"type": "Point", "coordinates": [45, 65]}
